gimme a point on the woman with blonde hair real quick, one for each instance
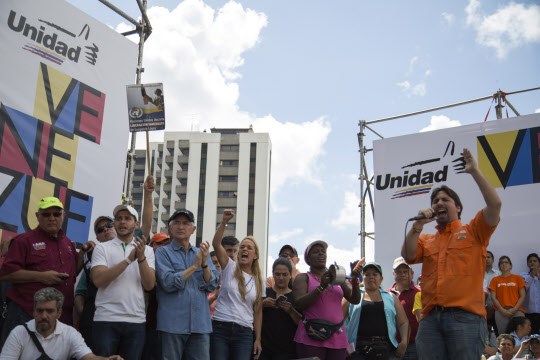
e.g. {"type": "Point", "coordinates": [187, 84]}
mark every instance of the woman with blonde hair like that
{"type": "Point", "coordinates": [238, 314]}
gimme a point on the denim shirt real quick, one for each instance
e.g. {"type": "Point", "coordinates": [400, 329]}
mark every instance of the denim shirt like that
{"type": "Point", "coordinates": [532, 297]}
{"type": "Point", "coordinates": [182, 303]}
{"type": "Point", "coordinates": [351, 325]}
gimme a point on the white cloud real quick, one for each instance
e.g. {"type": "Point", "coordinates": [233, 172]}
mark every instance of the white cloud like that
{"type": "Point", "coordinates": [537, 111]}
{"type": "Point", "coordinates": [509, 27]}
{"type": "Point", "coordinates": [197, 51]}
{"type": "Point", "coordinates": [284, 236]}
{"type": "Point", "coordinates": [448, 18]}
{"type": "Point", "coordinates": [440, 122]}
{"type": "Point", "coordinates": [413, 61]}
{"type": "Point", "coordinates": [349, 215]}
{"type": "Point", "coordinates": [410, 90]}
{"type": "Point", "coordinates": [418, 89]}
{"type": "Point", "coordinates": [404, 85]}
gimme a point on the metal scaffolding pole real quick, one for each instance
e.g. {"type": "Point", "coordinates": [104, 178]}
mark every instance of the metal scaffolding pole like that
{"type": "Point", "coordinates": [366, 183]}
{"type": "Point", "coordinates": [143, 28]}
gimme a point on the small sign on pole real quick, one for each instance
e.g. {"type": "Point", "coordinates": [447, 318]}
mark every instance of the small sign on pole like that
{"type": "Point", "coordinates": [146, 107]}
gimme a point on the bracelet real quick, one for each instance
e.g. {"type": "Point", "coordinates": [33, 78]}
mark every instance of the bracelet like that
{"type": "Point", "coordinates": [414, 229]}
{"type": "Point", "coordinates": [204, 266]}
{"type": "Point", "coordinates": [354, 282]}
{"type": "Point", "coordinates": [128, 261]}
{"type": "Point", "coordinates": [140, 261]}
{"type": "Point", "coordinates": [319, 289]}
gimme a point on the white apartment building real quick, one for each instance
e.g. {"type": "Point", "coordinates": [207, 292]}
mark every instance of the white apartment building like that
{"type": "Point", "coordinates": [207, 173]}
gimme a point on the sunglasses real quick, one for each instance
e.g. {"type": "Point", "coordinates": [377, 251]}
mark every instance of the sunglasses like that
{"type": "Point", "coordinates": [290, 256]}
{"type": "Point", "coordinates": [101, 229]}
{"type": "Point", "coordinates": [49, 214]}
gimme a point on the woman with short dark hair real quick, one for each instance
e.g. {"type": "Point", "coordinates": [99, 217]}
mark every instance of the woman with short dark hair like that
{"type": "Point", "coordinates": [508, 293]}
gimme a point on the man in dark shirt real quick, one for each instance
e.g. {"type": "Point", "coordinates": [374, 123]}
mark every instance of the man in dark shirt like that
{"type": "Point", "coordinates": [37, 259]}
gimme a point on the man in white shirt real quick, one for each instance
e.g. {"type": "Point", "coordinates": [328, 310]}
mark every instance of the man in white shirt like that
{"type": "Point", "coordinates": [57, 340]}
{"type": "Point", "coordinates": [119, 320]}
{"type": "Point", "coordinates": [491, 272]}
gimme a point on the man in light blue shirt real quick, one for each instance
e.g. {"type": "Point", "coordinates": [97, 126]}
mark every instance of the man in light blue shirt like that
{"type": "Point", "coordinates": [532, 298]}
{"type": "Point", "coordinates": [185, 275]}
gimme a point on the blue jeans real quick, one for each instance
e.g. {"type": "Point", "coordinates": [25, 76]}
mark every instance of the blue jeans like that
{"type": "Point", "coordinates": [452, 334]}
{"type": "Point", "coordinates": [118, 338]}
{"type": "Point", "coordinates": [185, 346]}
{"type": "Point", "coordinates": [230, 341]}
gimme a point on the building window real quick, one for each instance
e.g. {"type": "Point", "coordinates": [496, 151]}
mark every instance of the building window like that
{"type": "Point", "coordinates": [228, 163]}
{"type": "Point", "coordinates": [184, 152]}
{"type": "Point", "coordinates": [183, 197]}
{"type": "Point", "coordinates": [221, 209]}
{"type": "Point", "coordinates": [230, 226]}
{"type": "Point", "coordinates": [184, 167]}
{"type": "Point", "coordinates": [230, 147]}
{"type": "Point", "coordinates": [137, 196]}
{"type": "Point", "coordinates": [140, 160]}
{"type": "Point", "coordinates": [138, 173]}
{"type": "Point", "coordinates": [228, 178]}
{"type": "Point", "coordinates": [183, 182]}
{"type": "Point", "coordinates": [226, 194]}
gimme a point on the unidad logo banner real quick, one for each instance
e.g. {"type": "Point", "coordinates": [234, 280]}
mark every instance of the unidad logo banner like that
{"type": "Point", "coordinates": [62, 93]}
{"type": "Point", "coordinates": [407, 168]}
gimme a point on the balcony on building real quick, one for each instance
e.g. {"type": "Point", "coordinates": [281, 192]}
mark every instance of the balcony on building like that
{"type": "Point", "coordinates": [156, 201]}
{"type": "Point", "coordinates": [167, 187]}
{"type": "Point", "coordinates": [165, 217]}
{"type": "Point", "coordinates": [170, 144]}
{"type": "Point", "coordinates": [154, 228]}
{"type": "Point", "coordinates": [166, 202]}
{"type": "Point", "coordinates": [168, 173]}
{"type": "Point", "coordinates": [169, 159]}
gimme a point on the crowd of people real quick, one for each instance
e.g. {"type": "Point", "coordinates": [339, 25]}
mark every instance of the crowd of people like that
{"type": "Point", "coordinates": [165, 298]}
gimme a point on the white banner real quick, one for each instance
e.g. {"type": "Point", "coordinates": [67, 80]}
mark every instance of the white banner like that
{"type": "Point", "coordinates": [63, 119]}
{"type": "Point", "coordinates": [408, 167]}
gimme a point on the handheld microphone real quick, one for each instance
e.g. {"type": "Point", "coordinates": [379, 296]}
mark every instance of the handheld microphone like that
{"type": "Point", "coordinates": [417, 217]}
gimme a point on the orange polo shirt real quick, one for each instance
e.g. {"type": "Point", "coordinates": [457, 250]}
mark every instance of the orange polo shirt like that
{"type": "Point", "coordinates": [454, 262]}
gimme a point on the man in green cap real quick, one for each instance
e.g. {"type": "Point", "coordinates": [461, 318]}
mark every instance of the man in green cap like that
{"type": "Point", "coordinates": [39, 258]}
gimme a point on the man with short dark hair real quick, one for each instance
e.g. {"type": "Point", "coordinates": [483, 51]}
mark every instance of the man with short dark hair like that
{"type": "Point", "coordinates": [491, 272]}
{"type": "Point", "coordinates": [231, 246]}
{"type": "Point", "coordinates": [505, 347]}
{"type": "Point", "coordinates": [185, 275]}
{"type": "Point", "coordinates": [289, 252]}
{"type": "Point", "coordinates": [57, 340]}
{"type": "Point", "coordinates": [532, 297]}
{"type": "Point", "coordinates": [119, 320]}
{"type": "Point", "coordinates": [453, 322]}
{"type": "Point", "coordinates": [39, 258]}
{"type": "Point", "coordinates": [404, 289]}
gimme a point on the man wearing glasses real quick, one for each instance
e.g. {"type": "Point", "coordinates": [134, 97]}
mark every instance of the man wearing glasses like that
{"type": "Point", "coordinates": [289, 252]}
{"type": "Point", "coordinates": [37, 259]}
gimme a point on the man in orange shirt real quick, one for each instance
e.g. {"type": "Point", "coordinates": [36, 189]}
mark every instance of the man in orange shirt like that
{"type": "Point", "coordinates": [453, 324]}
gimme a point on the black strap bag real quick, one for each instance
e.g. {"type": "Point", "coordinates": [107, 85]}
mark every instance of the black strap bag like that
{"type": "Point", "coordinates": [44, 355]}
{"type": "Point", "coordinates": [320, 329]}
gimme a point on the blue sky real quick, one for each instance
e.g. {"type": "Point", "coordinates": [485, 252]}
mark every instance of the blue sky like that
{"type": "Point", "coordinates": [308, 71]}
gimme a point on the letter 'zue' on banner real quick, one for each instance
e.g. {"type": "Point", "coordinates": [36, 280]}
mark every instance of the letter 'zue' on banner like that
{"type": "Point", "coordinates": [146, 107]}
{"type": "Point", "coordinates": [62, 94]}
{"type": "Point", "coordinates": [409, 167]}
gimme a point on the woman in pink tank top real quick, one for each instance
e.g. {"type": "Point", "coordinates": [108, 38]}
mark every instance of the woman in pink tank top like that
{"type": "Point", "coordinates": [318, 300]}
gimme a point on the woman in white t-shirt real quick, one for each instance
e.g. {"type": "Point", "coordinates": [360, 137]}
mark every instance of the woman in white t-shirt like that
{"type": "Point", "coordinates": [238, 314]}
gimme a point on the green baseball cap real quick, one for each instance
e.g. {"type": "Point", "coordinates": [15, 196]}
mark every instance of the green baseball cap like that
{"type": "Point", "coordinates": [48, 202]}
{"type": "Point", "coordinates": [374, 265]}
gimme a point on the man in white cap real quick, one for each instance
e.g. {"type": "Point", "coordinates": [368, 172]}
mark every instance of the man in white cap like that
{"type": "Point", "coordinates": [404, 289]}
{"type": "Point", "coordinates": [119, 321]}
